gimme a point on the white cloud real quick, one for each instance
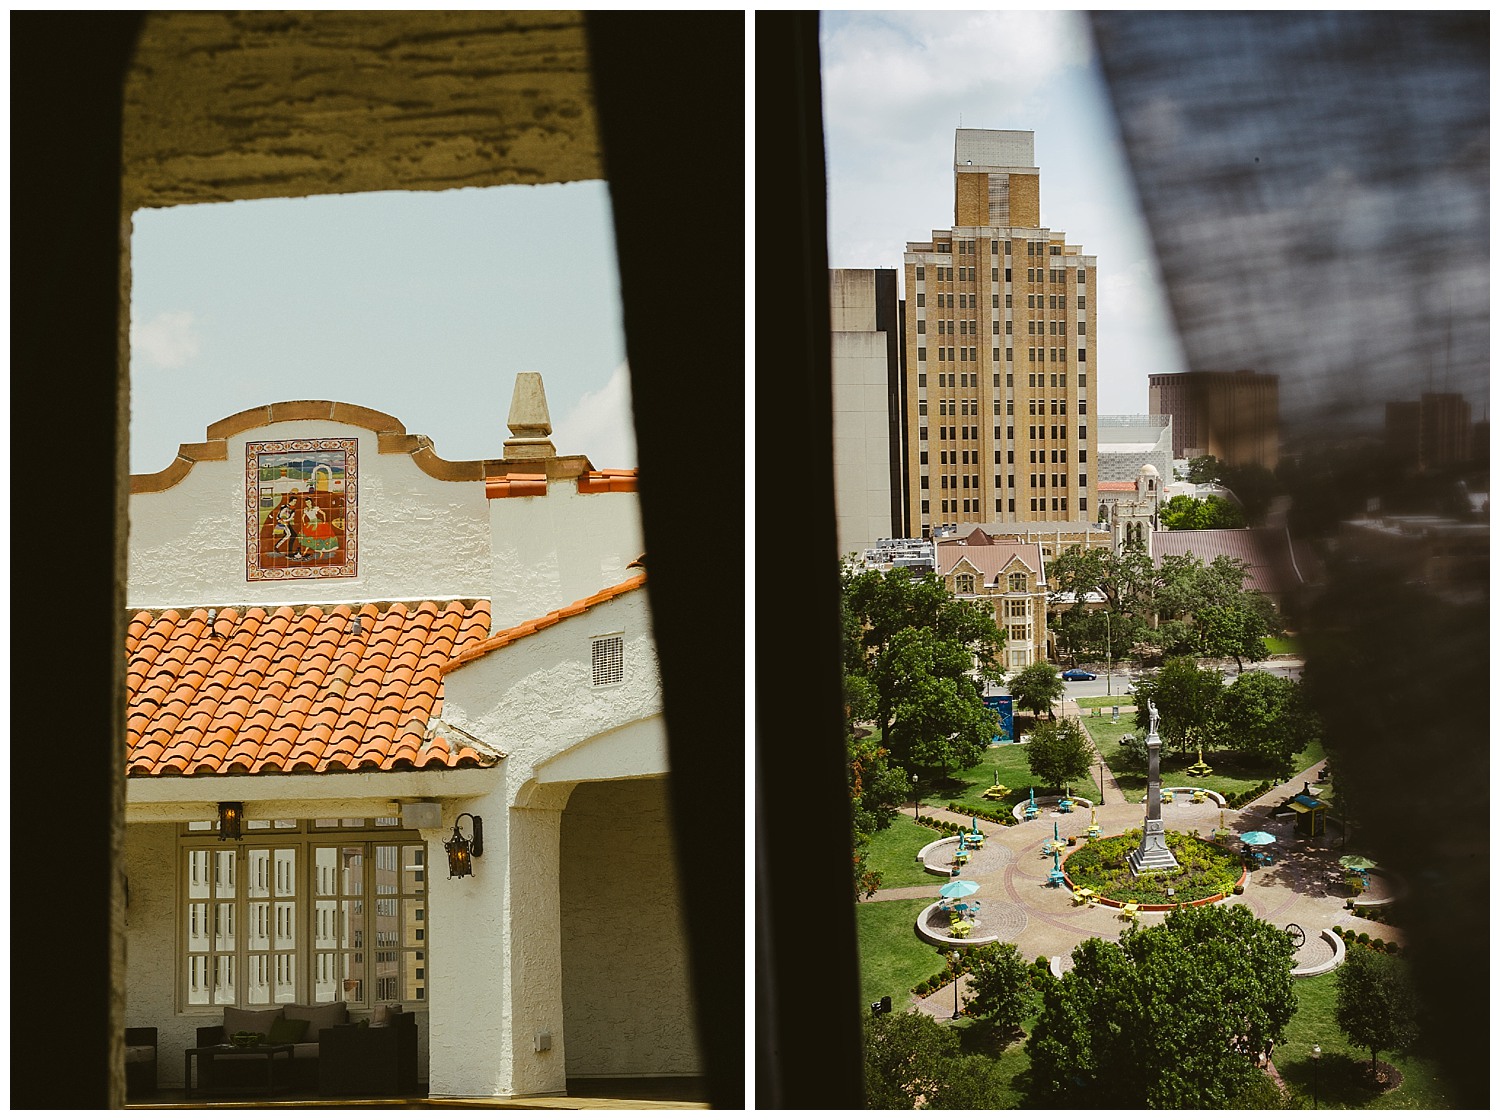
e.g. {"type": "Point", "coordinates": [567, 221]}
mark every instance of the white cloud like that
{"type": "Point", "coordinates": [168, 341]}
{"type": "Point", "coordinates": [601, 425]}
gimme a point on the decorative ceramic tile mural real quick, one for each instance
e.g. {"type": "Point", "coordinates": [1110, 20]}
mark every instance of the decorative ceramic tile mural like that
{"type": "Point", "coordinates": [301, 509]}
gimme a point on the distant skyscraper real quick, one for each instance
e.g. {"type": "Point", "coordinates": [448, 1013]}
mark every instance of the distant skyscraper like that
{"type": "Point", "coordinates": [1234, 417]}
{"type": "Point", "coordinates": [999, 370]}
{"type": "Point", "coordinates": [1430, 433]}
{"type": "Point", "coordinates": [865, 317]}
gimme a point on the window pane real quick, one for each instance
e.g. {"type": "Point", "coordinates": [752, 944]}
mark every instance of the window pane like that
{"type": "Point", "coordinates": [414, 868]}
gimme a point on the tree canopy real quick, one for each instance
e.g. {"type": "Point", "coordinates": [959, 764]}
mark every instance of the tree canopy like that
{"type": "Point", "coordinates": [876, 789]}
{"type": "Point", "coordinates": [1059, 752]}
{"type": "Point", "coordinates": [1266, 719]}
{"type": "Point", "coordinates": [910, 652]}
{"type": "Point", "coordinates": [1000, 989]}
{"type": "Point", "coordinates": [1212, 512]}
{"type": "Point", "coordinates": [1037, 687]}
{"type": "Point", "coordinates": [1173, 1016]}
{"type": "Point", "coordinates": [911, 1061]}
{"type": "Point", "coordinates": [1186, 699]}
{"type": "Point", "coordinates": [1375, 1004]}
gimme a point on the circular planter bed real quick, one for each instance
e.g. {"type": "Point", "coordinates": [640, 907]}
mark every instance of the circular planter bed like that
{"type": "Point", "coordinates": [1205, 871]}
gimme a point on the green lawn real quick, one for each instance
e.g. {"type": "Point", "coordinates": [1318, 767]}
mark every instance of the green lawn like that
{"type": "Point", "coordinates": [1338, 1087]}
{"type": "Point", "coordinates": [1009, 761]}
{"type": "Point", "coordinates": [1231, 775]}
{"type": "Point", "coordinates": [892, 958]}
{"type": "Point", "coordinates": [1287, 644]}
{"type": "Point", "coordinates": [893, 852]}
{"type": "Point", "coordinates": [1107, 701]}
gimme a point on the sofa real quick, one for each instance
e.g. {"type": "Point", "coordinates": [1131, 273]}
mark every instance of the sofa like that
{"type": "Point", "coordinates": [374, 1055]}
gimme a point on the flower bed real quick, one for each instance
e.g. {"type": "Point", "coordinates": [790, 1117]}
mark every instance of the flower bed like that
{"type": "Point", "coordinates": [1204, 870]}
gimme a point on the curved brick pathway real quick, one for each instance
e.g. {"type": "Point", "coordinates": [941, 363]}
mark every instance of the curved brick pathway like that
{"type": "Point", "coordinates": [1301, 886]}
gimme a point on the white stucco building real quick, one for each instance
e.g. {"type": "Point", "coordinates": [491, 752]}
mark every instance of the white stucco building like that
{"type": "Point", "coordinates": [359, 661]}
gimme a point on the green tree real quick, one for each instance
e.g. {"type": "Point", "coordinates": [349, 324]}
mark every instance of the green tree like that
{"type": "Point", "coordinates": [1203, 469]}
{"type": "Point", "coordinates": [1186, 699]}
{"type": "Point", "coordinates": [1059, 752]}
{"type": "Point", "coordinates": [970, 1082]}
{"type": "Point", "coordinates": [1254, 486]}
{"type": "Point", "coordinates": [906, 1055]}
{"type": "Point", "coordinates": [1173, 1016]}
{"type": "Point", "coordinates": [1126, 583]}
{"type": "Point", "coordinates": [938, 717]}
{"type": "Point", "coordinates": [1266, 719]}
{"type": "Point", "coordinates": [1212, 512]}
{"type": "Point", "coordinates": [1037, 687]}
{"type": "Point", "coordinates": [1375, 1005]}
{"type": "Point", "coordinates": [876, 789]}
{"type": "Point", "coordinates": [879, 606]}
{"type": "Point", "coordinates": [1000, 989]}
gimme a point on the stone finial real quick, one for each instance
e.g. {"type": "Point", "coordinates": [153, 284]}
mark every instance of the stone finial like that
{"type": "Point", "coordinates": [529, 422]}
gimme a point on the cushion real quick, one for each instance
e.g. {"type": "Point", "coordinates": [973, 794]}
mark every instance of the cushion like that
{"type": "Point", "coordinates": [238, 1019]}
{"type": "Point", "coordinates": [285, 1031]}
{"type": "Point", "coordinates": [319, 1016]}
{"type": "Point", "coordinates": [381, 1015]}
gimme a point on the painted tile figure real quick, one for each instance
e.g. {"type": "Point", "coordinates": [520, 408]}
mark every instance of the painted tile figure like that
{"type": "Point", "coordinates": [301, 502]}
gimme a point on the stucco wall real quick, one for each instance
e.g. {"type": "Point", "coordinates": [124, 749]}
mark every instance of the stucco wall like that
{"type": "Point", "coordinates": [419, 537]}
{"type": "Point", "coordinates": [535, 698]}
{"type": "Point", "coordinates": [627, 1003]}
{"type": "Point", "coordinates": [150, 945]}
{"type": "Point", "coordinates": [549, 552]}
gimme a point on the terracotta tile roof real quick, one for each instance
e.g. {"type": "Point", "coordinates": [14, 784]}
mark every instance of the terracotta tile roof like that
{"type": "Point", "coordinates": [1115, 487]}
{"type": "Point", "coordinates": [552, 618]}
{"type": "Point", "coordinates": [516, 486]}
{"type": "Point", "coordinates": [608, 482]}
{"type": "Point", "coordinates": [282, 690]}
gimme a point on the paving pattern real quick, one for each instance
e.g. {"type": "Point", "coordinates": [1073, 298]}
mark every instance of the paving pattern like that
{"type": "Point", "coordinates": [1302, 885]}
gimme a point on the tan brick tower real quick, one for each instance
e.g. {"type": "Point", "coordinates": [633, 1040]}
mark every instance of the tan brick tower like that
{"type": "Point", "coordinates": [1001, 400]}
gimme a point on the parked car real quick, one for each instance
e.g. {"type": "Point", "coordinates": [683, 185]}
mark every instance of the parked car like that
{"type": "Point", "coordinates": [1079, 675]}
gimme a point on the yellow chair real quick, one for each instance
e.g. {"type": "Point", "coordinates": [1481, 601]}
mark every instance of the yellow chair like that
{"type": "Point", "coordinates": [1166, 796]}
{"type": "Point", "coordinates": [1199, 797]}
{"type": "Point", "coordinates": [1130, 910]}
{"type": "Point", "coordinates": [1093, 832]}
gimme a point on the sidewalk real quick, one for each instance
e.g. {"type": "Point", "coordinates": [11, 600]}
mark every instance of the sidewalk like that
{"type": "Point", "coordinates": [1302, 886]}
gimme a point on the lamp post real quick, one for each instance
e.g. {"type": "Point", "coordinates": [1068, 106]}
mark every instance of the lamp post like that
{"type": "Point", "coordinates": [1317, 1055]}
{"type": "Point", "coordinates": [953, 956]}
{"type": "Point", "coordinates": [916, 798]}
{"type": "Point", "coordinates": [1101, 779]}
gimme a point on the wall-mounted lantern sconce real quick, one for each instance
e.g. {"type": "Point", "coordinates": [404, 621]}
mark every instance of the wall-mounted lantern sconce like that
{"type": "Point", "coordinates": [231, 816]}
{"type": "Point", "coordinates": [461, 851]}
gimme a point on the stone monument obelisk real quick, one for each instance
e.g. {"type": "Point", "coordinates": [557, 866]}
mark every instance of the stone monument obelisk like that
{"type": "Point", "coordinates": [1153, 854]}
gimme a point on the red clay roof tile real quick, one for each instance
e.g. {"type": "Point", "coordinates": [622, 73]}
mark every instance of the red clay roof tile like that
{"type": "Point", "coordinates": [506, 637]}
{"type": "Point", "coordinates": [289, 691]}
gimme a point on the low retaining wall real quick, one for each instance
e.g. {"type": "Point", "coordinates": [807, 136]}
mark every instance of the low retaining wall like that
{"type": "Point", "coordinates": [1327, 966]}
{"type": "Point", "coordinates": [933, 937]}
{"type": "Point", "coordinates": [1187, 791]}
{"type": "Point", "coordinates": [1164, 905]}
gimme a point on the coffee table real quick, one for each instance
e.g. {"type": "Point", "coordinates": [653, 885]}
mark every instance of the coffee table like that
{"type": "Point", "coordinates": [269, 1052]}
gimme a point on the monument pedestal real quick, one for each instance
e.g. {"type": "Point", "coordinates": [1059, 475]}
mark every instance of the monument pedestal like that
{"type": "Point", "coordinates": [1153, 854]}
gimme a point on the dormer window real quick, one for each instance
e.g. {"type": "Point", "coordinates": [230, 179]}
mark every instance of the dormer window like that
{"type": "Point", "coordinates": [963, 584]}
{"type": "Point", "coordinates": [1018, 581]}
{"type": "Point", "coordinates": [609, 660]}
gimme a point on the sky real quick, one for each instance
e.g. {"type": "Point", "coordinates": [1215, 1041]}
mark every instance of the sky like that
{"type": "Point", "coordinates": [423, 305]}
{"type": "Point", "coordinates": [895, 87]}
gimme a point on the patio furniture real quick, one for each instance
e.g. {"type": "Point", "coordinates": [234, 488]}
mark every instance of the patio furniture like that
{"type": "Point", "coordinates": [1056, 878]}
{"type": "Point", "coordinates": [1065, 806]}
{"type": "Point", "coordinates": [140, 1061]}
{"type": "Point", "coordinates": [370, 1061]}
{"type": "Point", "coordinates": [1093, 832]}
{"type": "Point", "coordinates": [1199, 797]}
{"type": "Point", "coordinates": [1130, 909]}
{"type": "Point", "coordinates": [1166, 796]}
{"type": "Point", "coordinates": [209, 1055]}
{"type": "Point", "coordinates": [1084, 896]}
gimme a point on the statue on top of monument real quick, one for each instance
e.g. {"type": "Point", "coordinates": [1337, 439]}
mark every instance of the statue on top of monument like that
{"type": "Point", "coordinates": [1151, 708]}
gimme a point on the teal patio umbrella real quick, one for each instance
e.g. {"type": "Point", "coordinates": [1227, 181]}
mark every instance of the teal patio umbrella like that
{"type": "Point", "coordinates": [959, 888]}
{"type": "Point", "coordinates": [1256, 838]}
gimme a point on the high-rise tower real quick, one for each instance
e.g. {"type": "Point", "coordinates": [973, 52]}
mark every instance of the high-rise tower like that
{"type": "Point", "coordinates": [1000, 364]}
